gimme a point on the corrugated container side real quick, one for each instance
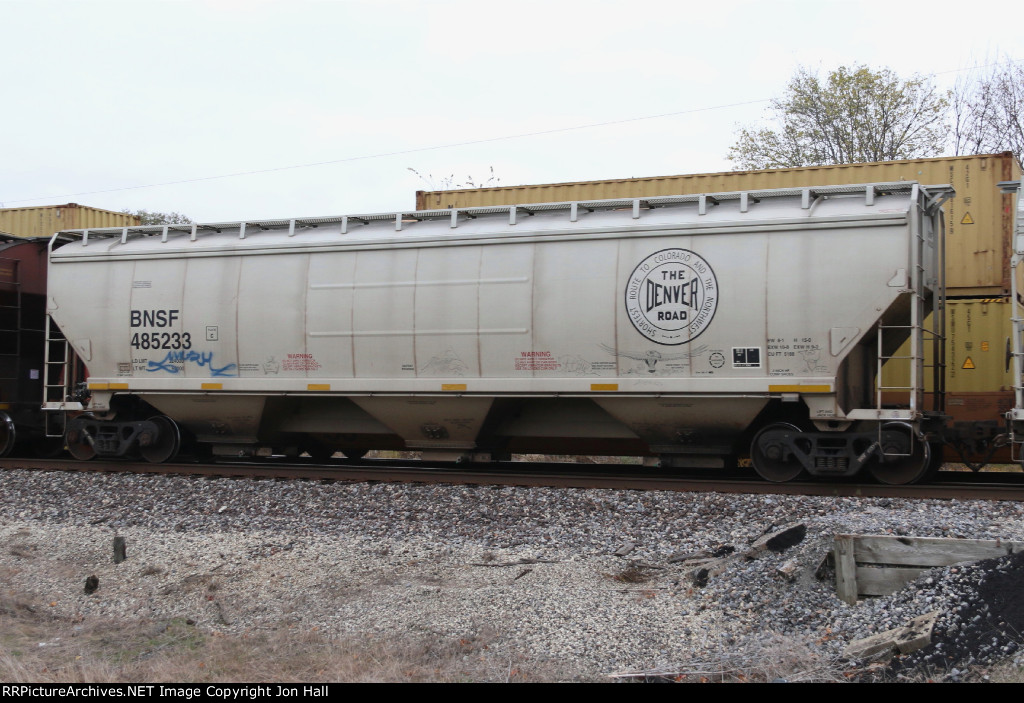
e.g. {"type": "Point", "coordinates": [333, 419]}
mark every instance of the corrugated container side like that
{"type": "Point", "coordinates": [978, 220]}
{"type": "Point", "coordinates": [978, 383]}
{"type": "Point", "coordinates": [44, 221]}
{"type": "Point", "coordinates": [977, 333]}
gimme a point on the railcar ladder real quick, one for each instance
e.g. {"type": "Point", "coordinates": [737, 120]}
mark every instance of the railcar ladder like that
{"type": "Point", "coordinates": [59, 376]}
{"type": "Point", "coordinates": [927, 247]}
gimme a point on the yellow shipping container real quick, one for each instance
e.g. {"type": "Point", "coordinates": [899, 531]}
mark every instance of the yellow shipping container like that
{"type": "Point", "coordinates": [978, 220]}
{"type": "Point", "coordinates": [44, 221]}
{"type": "Point", "coordinates": [979, 386]}
{"type": "Point", "coordinates": [977, 332]}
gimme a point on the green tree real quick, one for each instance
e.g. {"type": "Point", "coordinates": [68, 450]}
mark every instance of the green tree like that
{"type": "Point", "coordinates": [988, 111]}
{"type": "Point", "coordinates": [855, 115]}
{"type": "Point", "coordinates": [150, 217]}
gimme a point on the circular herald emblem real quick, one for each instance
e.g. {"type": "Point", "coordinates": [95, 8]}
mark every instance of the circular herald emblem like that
{"type": "Point", "coordinates": [671, 296]}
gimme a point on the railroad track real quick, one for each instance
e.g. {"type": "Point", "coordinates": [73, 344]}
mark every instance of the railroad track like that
{"type": "Point", "coordinates": [948, 484]}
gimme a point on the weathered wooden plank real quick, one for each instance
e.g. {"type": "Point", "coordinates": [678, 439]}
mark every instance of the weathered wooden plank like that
{"type": "Point", "coordinates": [876, 565]}
{"type": "Point", "coordinates": [909, 638]}
{"type": "Point", "coordinates": [870, 646]}
{"type": "Point", "coordinates": [714, 567]}
{"type": "Point", "coordinates": [918, 633]}
{"type": "Point", "coordinates": [120, 553]}
{"type": "Point", "coordinates": [929, 551]}
{"type": "Point", "coordinates": [780, 540]}
{"type": "Point", "coordinates": [846, 569]}
{"type": "Point", "coordinates": [874, 581]}
{"type": "Point", "coordinates": [790, 570]}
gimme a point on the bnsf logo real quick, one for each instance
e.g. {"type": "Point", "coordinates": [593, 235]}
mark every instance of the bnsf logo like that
{"type": "Point", "coordinates": [154, 318]}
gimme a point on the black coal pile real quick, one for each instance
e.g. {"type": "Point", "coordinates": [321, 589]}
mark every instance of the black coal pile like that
{"type": "Point", "coordinates": [982, 625]}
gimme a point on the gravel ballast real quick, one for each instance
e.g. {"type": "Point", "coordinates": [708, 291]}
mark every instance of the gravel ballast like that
{"type": "Point", "coordinates": [531, 571]}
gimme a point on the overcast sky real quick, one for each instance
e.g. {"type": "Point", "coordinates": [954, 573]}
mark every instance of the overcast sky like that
{"type": "Point", "coordinates": [105, 103]}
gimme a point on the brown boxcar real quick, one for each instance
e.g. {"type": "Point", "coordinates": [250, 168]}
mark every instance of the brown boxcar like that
{"type": "Point", "coordinates": [22, 317]}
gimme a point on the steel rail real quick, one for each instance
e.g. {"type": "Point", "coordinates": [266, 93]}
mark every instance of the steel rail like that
{"type": "Point", "coordinates": [949, 486]}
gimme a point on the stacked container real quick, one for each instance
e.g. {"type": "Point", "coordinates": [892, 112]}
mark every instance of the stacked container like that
{"type": "Point", "coordinates": [44, 221]}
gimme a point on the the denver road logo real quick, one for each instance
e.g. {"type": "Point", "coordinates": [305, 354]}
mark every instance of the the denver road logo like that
{"type": "Point", "coordinates": [671, 296]}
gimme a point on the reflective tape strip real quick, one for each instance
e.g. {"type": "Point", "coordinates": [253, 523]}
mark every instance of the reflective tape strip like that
{"type": "Point", "coordinates": [318, 387]}
{"type": "Point", "coordinates": [604, 386]}
{"type": "Point", "coordinates": [453, 386]}
{"type": "Point", "coordinates": [212, 386]}
{"type": "Point", "coordinates": [800, 389]}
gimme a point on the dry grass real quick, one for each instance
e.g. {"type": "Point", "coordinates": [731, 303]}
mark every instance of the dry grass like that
{"type": "Point", "coordinates": [1007, 672]}
{"type": "Point", "coordinates": [759, 658]}
{"type": "Point", "coordinates": [632, 574]}
{"type": "Point", "coordinates": [40, 648]}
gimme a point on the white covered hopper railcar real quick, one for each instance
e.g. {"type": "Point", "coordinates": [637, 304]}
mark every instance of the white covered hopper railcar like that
{"type": "Point", "coordinates": [672, 327]}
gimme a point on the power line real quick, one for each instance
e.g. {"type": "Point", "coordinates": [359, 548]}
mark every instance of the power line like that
{"type": "Point", "coordinates": [438, 147]}
{"type": "Point", "coordinates": [394, 153]}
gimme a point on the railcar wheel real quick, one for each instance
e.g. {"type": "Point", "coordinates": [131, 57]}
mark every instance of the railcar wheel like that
{"type": "Point", "coordinates": [165, 445]}
{"type": "Point", "coordinates": [8, 434]}
{"type": "Point", "coordinates": [78, 441]}
{"type": "Point", "coordinates": [911, 467]}
{"type": "Point", "coordinates": [354, 454]}
{"type": "Point", "coordinates": [772, 460]}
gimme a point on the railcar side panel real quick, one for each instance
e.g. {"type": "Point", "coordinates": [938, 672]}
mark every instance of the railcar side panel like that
{"type": "Point", "coordinates": [384, 313]}
{"type": "Point", "coordinates": [507, 303]}
{"type": "Point", "coordinates": [329, 311]}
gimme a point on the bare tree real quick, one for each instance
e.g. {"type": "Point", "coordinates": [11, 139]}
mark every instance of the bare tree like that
{"type": "Point", "coordinates": [150, 217]}
{"type": "Point", "coordinates": [450, 183]}
{"type": "Point", "coordinates": [988, 110]}
{"type": "Point", "coordinates": [855, 115]}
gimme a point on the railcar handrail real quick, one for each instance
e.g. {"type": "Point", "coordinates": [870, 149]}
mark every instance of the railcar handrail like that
{"type": "Point", "coordinates": [809, 197]}
{"type": "Point", "coordinates": [1015, 417]}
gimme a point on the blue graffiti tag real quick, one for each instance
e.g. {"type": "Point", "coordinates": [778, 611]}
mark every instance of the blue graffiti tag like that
{"type": "Point", "coordinates": [170, 363]}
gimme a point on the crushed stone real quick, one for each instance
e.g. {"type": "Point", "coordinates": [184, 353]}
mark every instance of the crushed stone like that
{"type": "Point", "coordinates": [532, 571]}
